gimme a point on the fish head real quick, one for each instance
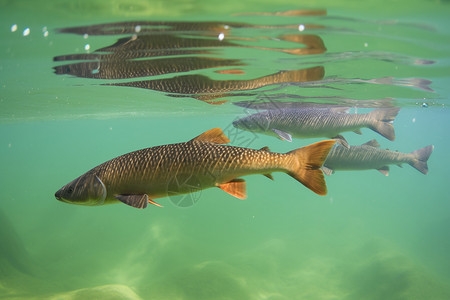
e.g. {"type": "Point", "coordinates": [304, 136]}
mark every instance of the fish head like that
{"type": "Point", "coordinates": [87, 189]}
{"type": "Point", "coordinates": [259, 122]}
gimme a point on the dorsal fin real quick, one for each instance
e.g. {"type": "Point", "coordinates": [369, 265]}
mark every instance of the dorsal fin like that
{"type": "Point", "coordinates": [265, 148]}
{"type": "Point", "coordinates": [214, 135]}
{"type": "Point", "coordinates": [372, 143]}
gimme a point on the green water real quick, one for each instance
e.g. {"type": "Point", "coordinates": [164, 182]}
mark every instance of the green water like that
{"type": "Point", "coordinates": [371, 237]}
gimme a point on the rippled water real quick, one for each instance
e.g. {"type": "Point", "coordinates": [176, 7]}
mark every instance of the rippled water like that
{"type": "Point", "coordinates": [62, 113]}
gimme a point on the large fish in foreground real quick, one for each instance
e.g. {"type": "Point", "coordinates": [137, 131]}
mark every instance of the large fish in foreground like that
{"type": "Point", "coordinates": [313, 122]}
{"type": "Point", "coordinates": [139, 177]}
{"type": "Point", "coordinates": [368, 156]}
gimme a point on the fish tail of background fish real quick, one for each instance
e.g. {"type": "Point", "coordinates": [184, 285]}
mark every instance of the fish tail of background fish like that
{"type": "Point", "coordinates": [381, 121]}
{"type": "Point", "coordinates": [306, 165]}
{"type": "Point", "coordinates": [420, 158]}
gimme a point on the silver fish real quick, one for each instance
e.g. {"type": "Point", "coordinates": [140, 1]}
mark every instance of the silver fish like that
{"type": "Point", "coordinates": [368, 156]}
{"type": "Point", "coordinates": [139, 177]}
{"type": "Point", "coordinates": [313, 122]}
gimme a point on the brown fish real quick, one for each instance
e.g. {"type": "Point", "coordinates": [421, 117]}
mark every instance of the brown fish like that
{"type": "Point", "coordinates": [139, 177]}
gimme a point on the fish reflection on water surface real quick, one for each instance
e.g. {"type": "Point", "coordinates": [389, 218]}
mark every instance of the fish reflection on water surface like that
{"type": "Point", "coordinates": [186, 40]}
{"type": "Point", "coordinates": [157, 27]}
{"type": "Point", "coordinates": [139, 177]}
{"type": "Point", "coordinates": [121, 69]}
{"type": "Point", "coordinates": [200, 84]}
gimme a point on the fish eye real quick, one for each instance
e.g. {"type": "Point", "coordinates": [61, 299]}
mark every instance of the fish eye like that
{"type": "Point", "coordinates": [70, 190]}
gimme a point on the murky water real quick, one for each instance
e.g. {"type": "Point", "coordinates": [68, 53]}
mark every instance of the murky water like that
{"type": "Point", "coordinates": [70, 101]}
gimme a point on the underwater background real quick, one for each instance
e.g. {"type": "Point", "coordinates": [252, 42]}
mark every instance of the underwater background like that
{"type": "Point", "coordinates": [370, 237]}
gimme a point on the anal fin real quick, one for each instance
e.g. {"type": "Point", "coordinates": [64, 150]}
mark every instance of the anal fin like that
{"type": "Point", "coordinates": [384, 170]}
{"type": "Point", "coordinates": [235, 187]}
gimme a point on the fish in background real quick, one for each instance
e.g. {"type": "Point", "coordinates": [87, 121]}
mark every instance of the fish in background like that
{"type": "Point", "coordinates": [316, 122]}
{"type": "Point", "coordinates": [368, 156]}
{"type": "Point", "coordinates": [273, 104]}
{"type": "Point", "coordinates": [139, 177]}
{"type": "Point", "coordinates": [271, 101]}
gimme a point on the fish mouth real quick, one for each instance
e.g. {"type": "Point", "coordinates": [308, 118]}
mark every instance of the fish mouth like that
{"type": "Point", "coordinates": [58, 195]}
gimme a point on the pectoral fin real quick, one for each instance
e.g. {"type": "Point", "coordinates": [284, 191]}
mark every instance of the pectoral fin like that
{"type": "Point", "coordinates": [283, 135]}
{"type": "Point", "coordinates": [384, 170]}
{"type": "Point", "coordinates": [342, 141]}
{"type": "Point", "coordinates": [327, 171]}
{"type": "Point", "coordinates": [235, 187]}
{"type": "Point", "coordinates": [137, 201]}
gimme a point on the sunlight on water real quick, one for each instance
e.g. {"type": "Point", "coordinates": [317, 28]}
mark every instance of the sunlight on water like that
{"type": "Point", "coordinates": [84, 82]}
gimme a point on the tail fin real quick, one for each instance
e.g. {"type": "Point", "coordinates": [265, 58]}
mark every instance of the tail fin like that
{"type": "Point", "coordinates": [307, 163]}
{"type": "Point", "coordinates": [420, 159]}
{"type": "Point", "coordinates": [382, 121]}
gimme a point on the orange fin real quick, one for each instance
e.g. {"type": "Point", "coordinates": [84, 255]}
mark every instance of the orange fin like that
{"type": "Point", "coordinates": [235, 187]}
{"type": "Point", "coordinates": [154, 203]}
{"type": "Point", "coordinates": [214, 135]}
{"type": "Point", "coordinates": [307, 163]}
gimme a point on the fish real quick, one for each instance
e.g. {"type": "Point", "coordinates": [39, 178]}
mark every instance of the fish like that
{"type": "Point", "coordinates": [121, 69]}
{"type": "Point", "coordinates": [368, 156]}
{"type": "Point", "coordinates": [274, 104]}
{"type": "Point", "coordinates": [315, 122]}
{"type": "Point", "coordinates": [138, 178]}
